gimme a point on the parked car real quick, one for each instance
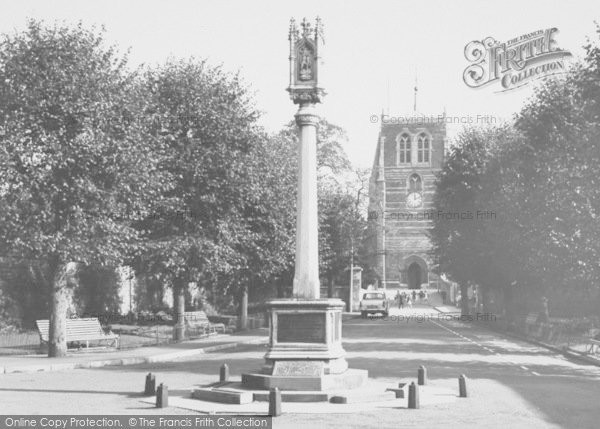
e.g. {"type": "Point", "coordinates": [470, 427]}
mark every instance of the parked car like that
{"type": "Point", "coordinates": [373, 303]}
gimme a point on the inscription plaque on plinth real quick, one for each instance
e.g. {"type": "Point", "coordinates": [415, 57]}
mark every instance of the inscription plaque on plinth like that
{"type": "Point", "coordinates": [301, 328]}
{"type": "Point", "coordinates": [298, 368]}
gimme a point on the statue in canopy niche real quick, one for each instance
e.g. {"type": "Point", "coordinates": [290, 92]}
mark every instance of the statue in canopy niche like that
{"type": "Point", "coordinates": [306, 64]}
{"type": "Point", "coordinates": [305, 59]}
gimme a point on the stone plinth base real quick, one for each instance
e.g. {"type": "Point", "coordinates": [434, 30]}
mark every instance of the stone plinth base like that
{"type": "Point", "coordinates": [305, 338]}
{"type": "Point", "coordinates": [305, 350]}
{"type": "Point", "coordinates": [239, 393]}
{"type": "Point", "coordinates": [350, 379]}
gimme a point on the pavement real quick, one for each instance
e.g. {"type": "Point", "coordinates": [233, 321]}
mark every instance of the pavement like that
{"type": "Point", "coordinates": [446, 309]}
{"type": "Point", "coordinates": [109, 357]}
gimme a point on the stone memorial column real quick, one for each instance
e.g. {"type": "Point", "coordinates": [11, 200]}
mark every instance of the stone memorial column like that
{"type": "Point", "coordinates": [305, 343]}
{"type": "Point", "coordinates": [306, 276]}
{"type": "Point", "coordinates": [306, 331]}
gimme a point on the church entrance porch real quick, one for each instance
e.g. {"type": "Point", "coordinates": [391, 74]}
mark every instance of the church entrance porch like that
{"type": "Point", "coordinates": [415, 276]}
{"type": "Point", "coordinates": [414, 272]}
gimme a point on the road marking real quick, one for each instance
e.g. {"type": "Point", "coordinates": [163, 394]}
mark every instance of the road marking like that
{"type": "Point", "coordinates": [483, 347]}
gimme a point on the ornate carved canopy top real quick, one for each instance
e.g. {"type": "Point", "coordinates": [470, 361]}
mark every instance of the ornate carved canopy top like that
{"type": "Point", "coordinates": [305, 59]}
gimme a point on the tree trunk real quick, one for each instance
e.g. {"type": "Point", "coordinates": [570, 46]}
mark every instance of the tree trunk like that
{"type": "Point", "coordinates": [330, 287]}
{"type": "Point", "coordinates": [509, 312]}
{"type": "Point", "coordinates": [57, 336]}
{"type": "Point", "coordinates": [464, 299]}
{"type": "Point", "coordinates": [243, 309]}
{"type": "Point", "coordinates": [179, 309]}
{"type": "Point", "coordinates": [485, 301]}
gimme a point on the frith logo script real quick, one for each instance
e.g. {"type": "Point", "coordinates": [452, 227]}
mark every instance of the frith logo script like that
{"type": "Point", "coordinates": [514, 63]}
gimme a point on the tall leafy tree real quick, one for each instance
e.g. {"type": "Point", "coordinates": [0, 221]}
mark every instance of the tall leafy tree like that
{"type": "Point", "coordinates": [342, 224]}
{"type": "Point", "coordinates": [541, 178]}
{"type": "Point", "coordinates": [267, 242]}
{"type": "Point", "coordinates": [454, 241]}
{"type": "Point", "coordinates": [73, 155]}
{"type": "Point", "coordinates": [206, 120]}
{"type": "Point", "coordinates": [561, 129]}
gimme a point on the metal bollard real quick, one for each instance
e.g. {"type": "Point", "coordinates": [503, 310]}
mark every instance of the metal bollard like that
{"type": "Point", "coordinates": [274, 402]}
{"type": "Point", "coordinates": [224, 373]}
{"type": "Point", "coordinates": [462, 386]}
{"type": "Point", "coordinates": [422, 375]}
{"type": "Point", "coordinates": [162, 396]}
{"type": "Point", "coordinates": [150, 388]}
{"type": "Point", "coordinates": [413, 396]}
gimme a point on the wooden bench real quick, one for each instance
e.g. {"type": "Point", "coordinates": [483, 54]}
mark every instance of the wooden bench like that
{"type": "Point", "coordinates": [229, 321]}
{"type": "Point", "coordinates": [79, 330]}
{"type": "Point", "coordinates": [594, 346]}
{"type": "Point", "coordinates": [197, 321]}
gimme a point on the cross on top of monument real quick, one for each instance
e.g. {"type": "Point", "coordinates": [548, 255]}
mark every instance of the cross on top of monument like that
{"type": "Point", "coordinates": [308, 32]}
{"type": "Point", "coordinates": [306, 28]}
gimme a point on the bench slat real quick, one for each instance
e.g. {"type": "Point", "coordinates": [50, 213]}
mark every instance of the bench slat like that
{"type": "Point", "coordinates": [199, 319]}
{"type": "Point", "coordinates": [87, 329]}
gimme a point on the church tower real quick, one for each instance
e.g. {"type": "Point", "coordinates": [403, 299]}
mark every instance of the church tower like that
{"type": "Point", "coordinates": [409, 153]}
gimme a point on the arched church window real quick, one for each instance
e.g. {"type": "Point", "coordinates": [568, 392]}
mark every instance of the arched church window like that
{"type": "Point", "coordinates": [423, 149]}
{"type": "Point", "coordinates": [403, 149]}
{"type": "Point", "coordinates": [414, 183]}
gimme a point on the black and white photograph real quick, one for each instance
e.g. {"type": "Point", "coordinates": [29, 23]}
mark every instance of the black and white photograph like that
{"type": "Point", "coordinates": [299, 214]}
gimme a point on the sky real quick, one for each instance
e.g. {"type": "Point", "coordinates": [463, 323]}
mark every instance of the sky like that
{"type": "Point", "coordinates": [374, 50]}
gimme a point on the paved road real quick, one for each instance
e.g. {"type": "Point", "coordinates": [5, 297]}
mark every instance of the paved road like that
{"type": "Point", "coordinates": [512, 383]}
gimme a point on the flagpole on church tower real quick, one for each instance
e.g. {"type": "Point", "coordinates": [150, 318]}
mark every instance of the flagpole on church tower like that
{"type": "Point", "coordinates": [415, 99]}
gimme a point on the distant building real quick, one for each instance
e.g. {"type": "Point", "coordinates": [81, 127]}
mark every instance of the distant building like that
{"type": "Point", "coordinates": [410, 151]}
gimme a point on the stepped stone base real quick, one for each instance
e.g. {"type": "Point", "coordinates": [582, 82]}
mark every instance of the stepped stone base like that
{"type": "Point", "coordinates": [350, 379]}
{"type": "Point", "coordinates": [360, 397]}
{"type": "Point", "coordinates": [223, 395]}
{"type": "Point", "coordinates": [239, 393]}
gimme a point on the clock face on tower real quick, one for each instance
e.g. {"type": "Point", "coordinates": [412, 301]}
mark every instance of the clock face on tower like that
{"type": "Point", "coordinates": [413, 200]}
